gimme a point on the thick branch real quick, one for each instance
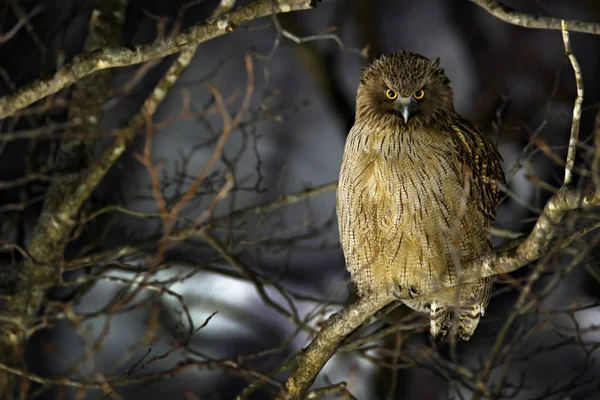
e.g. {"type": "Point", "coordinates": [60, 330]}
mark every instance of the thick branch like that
{"type": "Point", "coordinates": [54, 228]}
{"type": "Point", "coordinates": [327, 341]}
{"type": "Point", "coordinates": [537, 243]}
{"type": "Point", "coordinates": [111, 57]}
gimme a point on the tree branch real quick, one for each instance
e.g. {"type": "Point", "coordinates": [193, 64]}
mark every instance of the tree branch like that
{"type": "Point", "coordinates": [570, 164]}
{"type": "Point", "coordinates": [327, 341]}
{"type": "Point", "coordinates": [537, 243]}
{"type": "Point", "coordinates": [525, 20]}
{"type": "Point", "coordinates": [111, 57]}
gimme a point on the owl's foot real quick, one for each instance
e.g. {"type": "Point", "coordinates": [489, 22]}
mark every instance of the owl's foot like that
{"type": "Point", "coordinates": [443, 321]}
{"type": "Point", "coordinates": [469, 319]}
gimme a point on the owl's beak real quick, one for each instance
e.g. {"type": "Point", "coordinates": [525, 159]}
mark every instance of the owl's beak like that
{"type": "Point", "coordinates": [405, 106]}
{"type": "Point", "coordinates": [405, 113]}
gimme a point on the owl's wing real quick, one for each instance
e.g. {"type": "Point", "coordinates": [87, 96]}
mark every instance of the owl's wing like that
{"type": "Point", "coordinates": [355, 217]}
{"type": "Point", "coordinates": [476, 150]}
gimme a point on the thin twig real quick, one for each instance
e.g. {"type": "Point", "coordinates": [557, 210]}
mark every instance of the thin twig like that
{"type": "Point", "coordinates": [5, 37]}
{"type": "Point", "coordinates": [572, 152]}
{"type": "Point", "coordinates": [188, 232]}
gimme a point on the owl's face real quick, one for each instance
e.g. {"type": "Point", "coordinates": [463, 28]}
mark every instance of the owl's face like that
{"type": "Point", "coordinates": [407, 86]}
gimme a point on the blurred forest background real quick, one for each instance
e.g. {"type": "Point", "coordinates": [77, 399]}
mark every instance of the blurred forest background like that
{"type": "Point", "coordinates": [171, 284]}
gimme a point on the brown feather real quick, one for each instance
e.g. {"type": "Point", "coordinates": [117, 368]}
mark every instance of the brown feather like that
{"type": "Point", "coordinates": [416, 199]}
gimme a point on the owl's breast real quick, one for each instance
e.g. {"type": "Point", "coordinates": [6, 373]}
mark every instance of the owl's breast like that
{"type": "Point", "coordinates": [420, 183]}
{"type": "Point", "coordinates": [423, 201]}
{"type": "Point", "coordinates": [405, 211]}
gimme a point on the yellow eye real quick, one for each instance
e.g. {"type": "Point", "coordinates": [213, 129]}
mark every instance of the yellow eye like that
{"type": "Point", "coordinates": [390, 94]}
{"type": "Point", "coordinates": [419, 94]}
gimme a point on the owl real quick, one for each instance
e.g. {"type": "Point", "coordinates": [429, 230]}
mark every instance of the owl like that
{"type": "Point", "coordinates": [417, 193]}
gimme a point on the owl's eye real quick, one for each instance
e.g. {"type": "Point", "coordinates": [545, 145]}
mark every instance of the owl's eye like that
{"type": "Point", "coordinates": [390, 94]}
{"type": "Point", "coordinates": [419, 94]}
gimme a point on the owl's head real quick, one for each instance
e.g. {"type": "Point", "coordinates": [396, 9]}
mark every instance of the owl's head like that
{"type": "Point", "coordinates": [406, 86]}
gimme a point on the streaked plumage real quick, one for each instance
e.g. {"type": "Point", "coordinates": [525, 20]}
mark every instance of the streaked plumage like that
{"type": "Point", "coordinates": [416, 195]}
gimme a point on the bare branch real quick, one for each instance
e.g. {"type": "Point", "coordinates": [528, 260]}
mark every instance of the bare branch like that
{"type": "Point", "coordinates": [327, 341]}
{"type": "Point", "coordinates": [196, 230]}
{"type": "Point", "coordinates": [572, 152]}
{"type": "Point", "coordinates": [5, 37]}
{"type": "Point", "coordinates": [526, 20]}
{"type": "Point", "coordinates": [64, 200]}
{"type": "Point", "coordinates": [111, 57]}
{"type": "Point", "coordinates": [537, 242]}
